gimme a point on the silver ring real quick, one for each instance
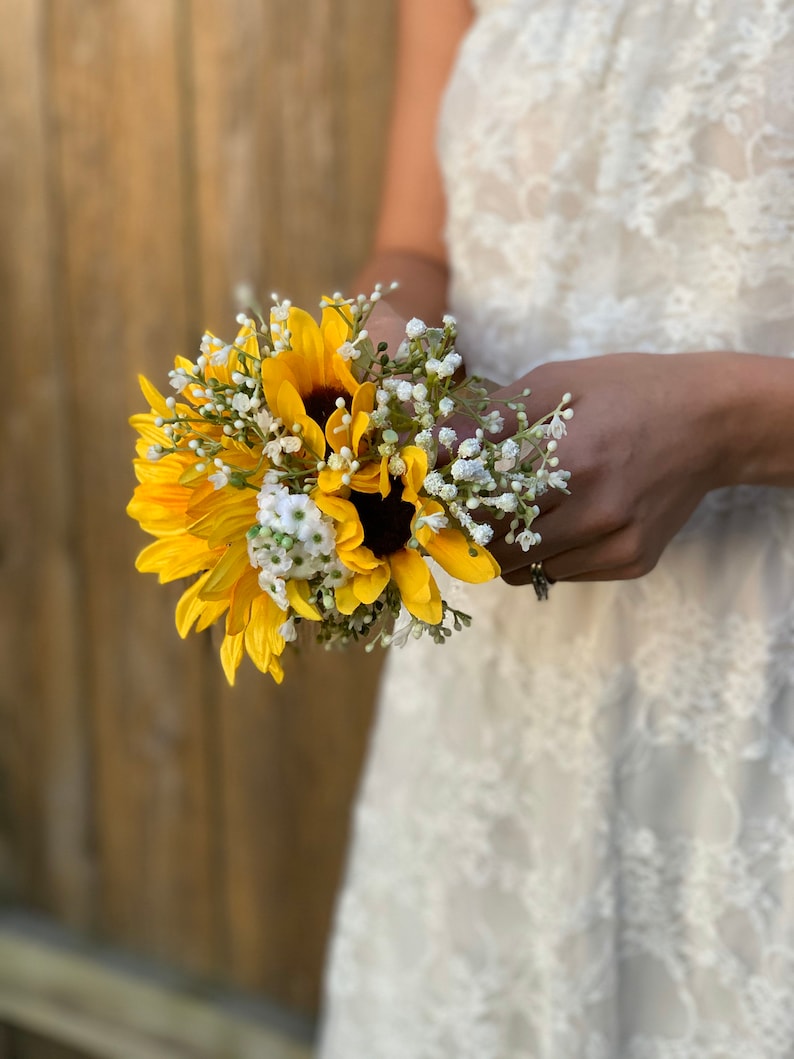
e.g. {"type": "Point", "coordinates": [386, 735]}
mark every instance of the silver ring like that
{"type": "Point", "coordinates": [539, 580]}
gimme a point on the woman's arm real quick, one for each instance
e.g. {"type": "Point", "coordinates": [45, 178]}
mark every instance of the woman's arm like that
{"type": "Point", "coordinates": [759, 423]}
{"type": "Point", "coordinates": [409, 241]}
{"type": "Point", "coordinates": [651, 435]}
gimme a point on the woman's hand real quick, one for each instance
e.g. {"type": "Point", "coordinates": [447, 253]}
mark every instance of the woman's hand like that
{"type": "Point", "coordinates": [651, 434]}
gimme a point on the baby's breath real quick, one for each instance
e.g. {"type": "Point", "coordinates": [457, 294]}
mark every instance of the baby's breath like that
{"type": "Point", "coordinates": [355, 438]}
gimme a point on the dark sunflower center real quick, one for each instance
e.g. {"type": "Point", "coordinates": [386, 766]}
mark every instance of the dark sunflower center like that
{"type": "Point", "coordinates": [320, 404]}
{"type": "Point", "coordinates": [386, 522]}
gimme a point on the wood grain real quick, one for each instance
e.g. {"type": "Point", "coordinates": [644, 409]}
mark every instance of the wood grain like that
{"type": "Point", "coordinates": [17, 1044]}
{"type": "Point", "coordinates": [45, 785]}
{"type": "Point", "coordinates": [115, 96]}
{"type": "Point", "coordinates": [155, 154]}
{"type": "Point", "coordinates": [290, 155]}
{"type": "Point", "coordinates": [108, 1007]}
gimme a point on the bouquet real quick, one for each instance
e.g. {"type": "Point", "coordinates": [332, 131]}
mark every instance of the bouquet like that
{"type": "Point", "coordinates": [301, 475]}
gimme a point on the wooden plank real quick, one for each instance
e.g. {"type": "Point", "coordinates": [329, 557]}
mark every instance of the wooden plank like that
{"type": "Point", "coordinates": [292, 757]}
{"type": "Point", "coordinates": [289, 154]}
{"type": "Point", "coordinates": [364, 81]}
{"type": "Point", "coordinates": [288, 165]}
{"type": "Point", "coordinates": [6, 1043]}
{"type": "Point", "coordinates": [17, 1044]}
{"type": "Point", "coordinates": [99, 1003]}
{"type": "Point", "coordinates": [230, 66]}
{"type": "Point", "coordinates": [45, 846]}
{"type": "Point", "coordinates": [172, 149]}
{"type": "Point", "coordinates": [119, 164]}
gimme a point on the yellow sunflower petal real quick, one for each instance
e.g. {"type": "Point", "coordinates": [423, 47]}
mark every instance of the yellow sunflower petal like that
{"type": "Point", "coordinates": [232, 650]}
{"type": "Point", "coordinates": [336, 326]}
{"type": "Point", "coordinates": [344, 375]}
{"type": "Point", "coordinates": [229, 569]}
{"type": "Point", "coordinates": [205, 499]}
{"type": "Point", "coordinates": [349, 535]}
{"type": "Point", "coordinates": [170, 469]}
{"type": "Point", "coordinates": [370, 479]}
{"type": "Point", "coordinates": [367, 480]}
{"type": "Point", "coordinates": [307, 343]}
{"type": "Point", "coordinates": [262, 641]}
{"type": "Point", "coordinates": [349, 538]}
{"type": "Point", "coordinates": [192, 476]}
{"type": "Point", "coordinates": [143, 422]}
{"type": "Point", "coordinates": [339, 509]}
{"type": "Point", "coordinates": [154, 397]}
{"type": "Point", "coordinates": [241, 453]}
{"type": "Point", "coordinates": [346, 598]}
{"type": "Point", "coordinates": [160, 509]}
{"type": "Point", "coordinates": [412, 579]}
{"type": "Point", "coordinates": [364, 398]}
{"type": "Point", "coordinates": [384, 479]}
{"type": "Point", "coordinates": [359, 427]}
{"type": "Point", "coordinates": [246, 341]}
{"type": "Point", "coordinates": [188, 608]}
{"type": "Point", "coordinates": [330, 481]}
{"type": "Point", "coordinates": [289, 404]}
{"type": "Point", "coordinates": [245, 592]}
{"type": "Point", "coordinates": [368, 586]}
{"type": "Point", "coordinates": [213, 610]}
{"type": "Point", "coordinates": [415, 473]}
{"type": "Point", "coordinates": [451, 549]}
{"type": "Point", "coordinates": [298, 596]}
{"type": "Point", "coordinates": [336, 433]}
{"type": "Point", "coordinates": [192, 610]}
{"type": "Point", "coordinates": [313, 437]}
{"type": "Point", "coordinates": [175, 557]}
{"type": "Point", "coordinates": [226, 524]}
{"type": "Point", "coordinates": [275, 371]}
{"type": "Point", "coordinates": [418, 589]}
{"type": "Point", "coordinates": [359, 559]}
{"type": "Point", "coordinates": [292, 410]}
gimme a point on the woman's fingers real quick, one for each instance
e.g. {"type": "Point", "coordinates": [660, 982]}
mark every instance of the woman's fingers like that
{"type": "Point", "coordinates": [559, 534]}
{"type": "Point", "coordinates": [616, 556]}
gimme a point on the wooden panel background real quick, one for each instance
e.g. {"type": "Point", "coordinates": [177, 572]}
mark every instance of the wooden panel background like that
{"type": "Point", "coordinates": [154, 154]}
{"type": "Point", "coordinates": [15, 1044]}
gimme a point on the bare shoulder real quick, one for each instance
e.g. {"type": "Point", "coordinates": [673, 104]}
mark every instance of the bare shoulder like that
{"type": "Point", "coordinates": [412, 208]}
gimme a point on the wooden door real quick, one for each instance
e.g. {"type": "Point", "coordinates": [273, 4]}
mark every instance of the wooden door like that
{"type": "Point", "coordinates": [154, 155]}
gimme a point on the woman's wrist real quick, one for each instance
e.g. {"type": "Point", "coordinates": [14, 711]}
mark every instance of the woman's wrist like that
{"type": "Point", "coordinates": [752, 416]}
{"type": "Point", "coordinates": [422, 283]}
{"type": "Point", "coordinates": [421, 291]}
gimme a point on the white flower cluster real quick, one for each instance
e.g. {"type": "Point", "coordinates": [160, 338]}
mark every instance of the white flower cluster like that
{"type": "Point", "coordinates": [445, 368]}
{"type": "Point", "coordinates": [474, 474]}
{"type": "Point", "coordinates": [437, 485]}
{"type": "Point", "coordinates": [292, 539]}
{"type": "Point", "coordinates": [350, 350]}
{"type": "Point", "coordinates": [409, 399]}
{"type": "Point", "coordinates": [498, 477]}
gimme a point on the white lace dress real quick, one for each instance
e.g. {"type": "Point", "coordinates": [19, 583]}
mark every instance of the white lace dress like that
{"type": "Point", "coordinates": [575, 836]}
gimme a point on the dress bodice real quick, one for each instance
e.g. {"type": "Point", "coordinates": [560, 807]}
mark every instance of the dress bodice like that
{"type": "Point", "coordinates": [620, 177]}
{"type": "Point", "coordinates": [575, 838]}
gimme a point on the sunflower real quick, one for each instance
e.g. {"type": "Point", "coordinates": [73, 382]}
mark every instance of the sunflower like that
{"type": "Point", "coordinates": [372, 527]}
{"type": "Point", "coordinates": [201, 530]}
{"type": "Point", "coordinates": [374, 539]}
{"type": "Point", "coordinates": [349, 460]}
{"type": "Point", "coordinates": [312, 388]}
{"type": "Point", "coordinates": [304, 382]}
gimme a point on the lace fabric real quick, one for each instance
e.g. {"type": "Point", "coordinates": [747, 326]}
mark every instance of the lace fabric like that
{"type": "Point", "coordinates": [575, 835]}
